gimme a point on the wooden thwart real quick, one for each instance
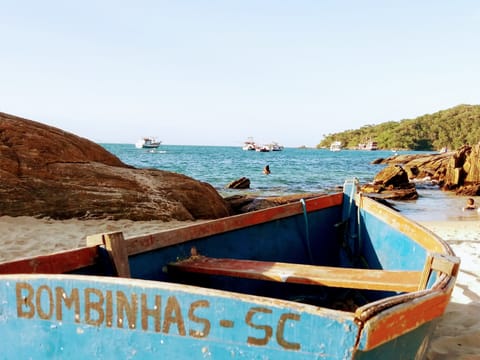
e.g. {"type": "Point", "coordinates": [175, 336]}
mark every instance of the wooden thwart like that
{"type": "Point", "coordinates": [387, 280]}
{"type": "Point", "coordinates": [114, 243]}
{"type": "Point", "coordinates": [446, 264]}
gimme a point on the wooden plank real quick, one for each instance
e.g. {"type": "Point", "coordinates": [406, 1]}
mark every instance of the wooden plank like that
{"type": "Point", "coordinates": [387, 280]}
{"type": "Point", "coordinates": [446, 264]}
{"type": "Point", "coordinates": [56, 263]}
{"type": "Point", "coordinates": [116, 246]}
{"type": "Point", "coordinates": [427, 271]}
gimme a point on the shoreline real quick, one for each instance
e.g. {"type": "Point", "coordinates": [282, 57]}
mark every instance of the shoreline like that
{"type": "Point", "coordinates": [457, 333]}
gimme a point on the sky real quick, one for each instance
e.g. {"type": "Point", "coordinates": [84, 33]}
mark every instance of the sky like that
{"type": "Point", "coordinates": [205, 72]}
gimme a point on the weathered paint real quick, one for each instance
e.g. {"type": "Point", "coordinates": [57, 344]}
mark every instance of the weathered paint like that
{"type": "Point", "coordinates": [353, 278]}
{"type": "Point", "coordinates": [106, 317]}
{"type": "Point", "coordinates": [402, 318]}
{"type": "Point", "coordinates": [63, 316]}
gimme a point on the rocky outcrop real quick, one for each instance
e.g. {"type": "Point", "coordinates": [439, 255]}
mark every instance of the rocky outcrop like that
{"type": "Point", "coordinates": [47, 172]}
{"type": "Point", "coordinates": [421, 166]}
{"type": "Point", "coordinates": [457, 171]}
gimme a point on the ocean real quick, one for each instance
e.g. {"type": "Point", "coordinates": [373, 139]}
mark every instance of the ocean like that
{"type": "Point", "coordinates": [293, 171]}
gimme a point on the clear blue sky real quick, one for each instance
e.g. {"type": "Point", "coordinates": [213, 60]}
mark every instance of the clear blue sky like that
{"type": "Point", "coordinates": [217, 72]}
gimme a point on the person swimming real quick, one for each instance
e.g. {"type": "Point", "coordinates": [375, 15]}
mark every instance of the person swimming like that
{"type": "Point", "coordinates": [470, 204]}
{"type": "Point", "coordinates": [266, 170]}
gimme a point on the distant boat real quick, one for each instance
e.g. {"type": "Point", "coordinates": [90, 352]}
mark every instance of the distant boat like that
{"type": "Point", "coordinates": [336, 146]}
{"type": "Point", "coordinates": [274, 146]}
{"type": "Point", "coordinates": [147, 143]}
{"type": "Point", "coordinates": [371, 145]}
{"type": "Point", "coordinates": [249, 144]}
{"type": "Point", "coordinates": [262, 148]}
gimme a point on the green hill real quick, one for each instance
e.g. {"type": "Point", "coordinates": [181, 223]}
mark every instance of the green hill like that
{"type": "Point", "coordinates": [449, 128]}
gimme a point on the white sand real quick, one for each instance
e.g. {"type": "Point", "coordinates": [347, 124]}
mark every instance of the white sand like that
{"type": "Point", "coordinates": [457, 335]}
{"type": "Point", "coordinates": [26, 236]}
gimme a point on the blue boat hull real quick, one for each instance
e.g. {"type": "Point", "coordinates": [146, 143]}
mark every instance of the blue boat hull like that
{"type": "Point", "coordinates": [280, 299]}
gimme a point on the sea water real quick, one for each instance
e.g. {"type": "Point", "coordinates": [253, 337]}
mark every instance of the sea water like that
{"type": "Point", "coordinates": [293, 171]}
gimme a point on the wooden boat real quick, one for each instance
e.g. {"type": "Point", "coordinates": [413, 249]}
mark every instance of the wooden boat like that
{"type": "Point", "coordinates": [340, 276]}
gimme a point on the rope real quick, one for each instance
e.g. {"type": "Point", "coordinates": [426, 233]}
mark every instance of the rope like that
{"type": "Point", "coordinates": [307, 232]}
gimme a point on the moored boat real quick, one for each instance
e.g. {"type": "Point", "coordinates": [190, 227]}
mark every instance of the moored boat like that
{"type": "Point", "coordinates": [370, 145]}
{"type": "Point", "coordinates": [148, 143]}
{"type": "Point", "coordinates": [249, 144]}
{"type": "Point", "coordinates": [262, 148]}
{"type": "Point", "coordinates": [338, 276]}
{"type": "Point", "coordinates": [275, 146]}
{"type": "Point", "coordinates": [336, 146]}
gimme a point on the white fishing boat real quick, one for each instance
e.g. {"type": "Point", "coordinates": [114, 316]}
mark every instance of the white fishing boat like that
{"type": "Point", "coordinates": [147, 143]}
{"type": "Point", "coordinates": [274, 146]}
{"type": "Point", "coordinates": [336, 146]}
{"type": "Point", "coordinates": [262, 148]}
{"type": "Point", "coordinates": [371, 145]}
{"type": "Point", "coordinates": [249, 144]}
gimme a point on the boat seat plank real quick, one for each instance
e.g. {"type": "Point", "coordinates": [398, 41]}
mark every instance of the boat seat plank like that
{"type": "Point", "coordinates": [387, 280]}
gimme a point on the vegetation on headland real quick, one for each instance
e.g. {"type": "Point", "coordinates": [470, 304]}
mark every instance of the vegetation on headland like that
{"type": "Point", "coordinates": [449, 129]}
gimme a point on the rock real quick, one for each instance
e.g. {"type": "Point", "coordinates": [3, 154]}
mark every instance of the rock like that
{"type": "Point", "coordinates": [457, 171]}
{"type": "Point", "coordinates": [452, 170]}
{"type": "Point", "coordinates": [419, 166]}
{"type": "Point", "coordinates": [245, 203]}
{"type": "Point", "coordinates": [393, 175]}
{"type": "Point", "coordinates": [242, 183]}
{"type": "Point", "coordinates": [407, 192]}
{"type": "Point", "coordinates": [47, 172]}
{"type": "Point", "coordinates": [391, 183]}
{"type": "Point", "coordinates": [378, 161]}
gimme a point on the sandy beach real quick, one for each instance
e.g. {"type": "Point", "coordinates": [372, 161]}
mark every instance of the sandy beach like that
{"type": "Point", "coordinates": [457, 335]}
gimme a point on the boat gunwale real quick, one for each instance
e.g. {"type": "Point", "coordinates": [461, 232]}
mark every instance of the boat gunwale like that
{"type": "Point", "coordinates": [405, 225]}
{"type": "Point", "coordinates": [371, 317]}
{"type": "Point", "coordinates": [417, 233]}
{"type": "Point", "coordinates": [144, 243]}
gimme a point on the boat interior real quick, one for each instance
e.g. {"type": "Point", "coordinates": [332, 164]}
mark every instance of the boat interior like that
{"type": "Point", "coordinates": [332, 251]}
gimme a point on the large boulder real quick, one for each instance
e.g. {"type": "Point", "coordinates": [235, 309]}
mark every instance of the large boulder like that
{"type": "Point", "coordinates": [391, 176]}
{"type": "Point", "coordinates": [392, 183]}
{"type": "Point", "coordinates": [47, 172]}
